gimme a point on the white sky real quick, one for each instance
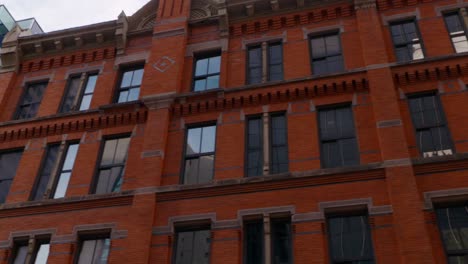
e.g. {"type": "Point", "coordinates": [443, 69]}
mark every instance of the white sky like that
{"type": "Point", "coordinates": [60, 14]}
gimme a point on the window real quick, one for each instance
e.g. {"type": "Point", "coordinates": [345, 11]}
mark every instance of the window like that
{"type": "Point", "coordinates": [350, 240]}
{"type": "Point", "coordinates": [112, 165]}
{"type": "Point", "coordinates": [56, 170]}
{"type": "Point", "coordinates": [432, 134]}
{"type": "Point", "coordinates": [193, 246]}
{"type": "Point", "coordinates": [327, 56]}
{"type": "Point", "coordinates": [8, 164]}
{"type": "Point", "coordinates": [129, 89]}
{"type": "Point", "coordinates": [453, 226]}
{"type": "Point", "coordinates": [206, 74]}
{"type": "Point", "coordinates": [265, 62]}
{"type": "Point", "coordinates": [200, 154]}
{"type": "Point", "coordinates": [339, 146]}
{"type": "Point", "coordinates": [94, 251]}
{"type": "Point", "coordinates": [276, 144]}
{"type": "Point", "coordinates": [407, 41]}
{"type": "Point", "coordinates": [458, 33]}
{"type": "Point", "coordinates": [40, 254]}
{"type": "Point", "coordinates": [79, 93]}
{"type": "Point", "coordinates": [280, 240]}
{"type": "Point", "coordinates": [30, 101]}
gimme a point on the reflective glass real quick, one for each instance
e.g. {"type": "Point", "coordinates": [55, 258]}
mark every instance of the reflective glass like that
{"type": "Point", "coordinates": [72, 92]}
{"type": "Point", "coordinates": [214, 65]}
{"type": "Point", "coordinates": [91, 84]}
{"type": "Point", "coordinates": [62, 185]}
{"type": "Point", "coordinates": [126, 79]}
{"type": "Point", "coordinates": [42, 254]}
{"type": "Point", "coordinates": [201, 67]}
{"type": "Point", "coordinates": [133, 94]}
{"type": "Point", "coordinates": [208, 139]}
{"type": "Point", "coordinates": [86, 102]}
{"type": "Point", "coordinates": [253, 242]}
{"type": "Point", "coordinates": [21, 255]}
{"type": "Point", "coordinates": [194, 140]}
{"type": "Point", "coordinates": [212, 82]}
{"type": "Point", "coordinates": [137, 77]}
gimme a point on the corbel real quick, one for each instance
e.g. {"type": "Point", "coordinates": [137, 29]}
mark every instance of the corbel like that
{"type": "Point", "coordinates": [38, 47]}
{"type": "Point", "coordinates": [121, 33]}
{"type": "Point", "coordinates": [223, 19]}
{"type": "Point", "coordinates": [99, 37]}
{"type": "Point", "coordinates": [274, 5]}
{"type": "Point", "coordinates": [250, 9]}
{"type": "Point", "coordinates": [58, 44]}
{"type": "Point", "coordinates": [78, 41]}
{"type": "Point", "coordinates": [365, 4]}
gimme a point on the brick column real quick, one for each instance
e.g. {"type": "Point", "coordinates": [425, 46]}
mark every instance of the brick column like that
{"type": "Point", "coordinates": [411, 235]}
{"type": "Point", "coordinates": [305, 235]}
{"type": "Point", "coordinates": [225, 246]}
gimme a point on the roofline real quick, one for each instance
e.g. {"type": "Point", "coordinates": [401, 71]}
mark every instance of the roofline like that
{"type": "Point", "coordinates": [34, 20]}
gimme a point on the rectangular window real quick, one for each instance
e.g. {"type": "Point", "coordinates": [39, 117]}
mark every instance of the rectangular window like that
{"type": "Point", "coordinates": [200, 154]}
{"type": "Point", "coordinates": [9, 162]}
{"type": "Point", "coordinates": [79, 93]}
{"type": "Point", "coordinates": [407, 41]}
{"type": "Point", "coordinates": [55, 172]}
{"type": "Point", "coordinates": [94, 251]}
{"type": "Point", "coordinates": [112, 165]}
{"type": "Point", "coordinates": [193, 246]}
{"type": "Point", "coordinates": [276, 143]}
{"type": "Point", "coordinates": [453, 226]}
{"type": "Point", "coordinates": [254, 242]}
{"type": "Point", "coordinates": [457, 31]}
{"type": "Point", "coordinates": [40, 254]}
{"type": "Point", "coordinates": [339, 146]}
{"type": "Point", "coordinates": [265, 62]}
{"type": "Point", "coordinates": [432, 134]}
{"type": "Point", "coordinates": [350, 240]}
{"type": "Point", "coordinates": [129, 89]}
{"type": "Point", "coordinates": [207, 71]}
{"type": "Point", "coordinates": [30, 101]}
{"type": "Point", "coordinates": [281, 241]}
{"type": "Point", "coordinates": [327, 55]}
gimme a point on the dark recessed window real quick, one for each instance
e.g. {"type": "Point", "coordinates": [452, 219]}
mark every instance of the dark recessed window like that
{"type": "Point", "coordinates": [281, 241]}
{"type": "Point", "coordinates": [79, 93]}
{"type": "Point", "coordinates": [254, 242]}
{"type": "Point", "coordinates": [432, 134]}
{"type": "Point", "coordinates": [112, 165]}
{"type": "Point", "coordinates": [200, 154]}
{"type": "Point", "coordinates": [94, 251]}
{"type": "Point", "coordinates": [457, 30]}
{"type": "Point", "coordinates": [453, 226]}
{"type": "Point", "coordinates": [338, 137]}
{"type": "Point", "coordinates": [40, 254]}
{"type": "Point", "coordinates": [30, 101]}
{"type": "Point", "coordinates": [56, 171]}
{"type": "Point", "coordinates": [254, 164]}
{"type": "Point", "coordinates": [207, 71]}
{"type": "Point", "coordinates": [327, 56]}
{"type": "Point", "coordinates": [350, 240]}
{"type": "Point", "coordinates": [269, 69]}
{"type": "Point", "coordinates": [193, 246]}
{"type": "Point", "coordinates": [279, 144]}
{"type": "Point", "coordinates": [129, 88]}
{"type": "Point", "coordinates": [407, 41]}
{"type": "Point", "coordinates": [8, 164]}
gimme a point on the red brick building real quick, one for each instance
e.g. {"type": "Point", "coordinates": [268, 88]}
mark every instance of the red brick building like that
{"type": "Point", "coordinates": [231, 131]}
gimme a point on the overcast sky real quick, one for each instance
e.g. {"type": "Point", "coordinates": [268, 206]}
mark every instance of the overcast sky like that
{"type": "Point", "coordinates": [60, 14]}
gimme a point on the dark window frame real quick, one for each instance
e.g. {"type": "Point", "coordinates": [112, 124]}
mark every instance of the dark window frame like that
{"type": "Point", "coordinates": [291, 237]}
{"type": "Point", "coordinates": [270, 138]}
{"type": "Point", "coordinates": [436, 94]}
{"type": "Point", "coordinates": [246, 144]}
{"type": "Point", "coordinates": [9, 151]}
{"type": "Point", "coordinates": [190, 227]}
{"type": "Point", "coordinates": [18, 242]}
{"type": "Point", "coordinates": [122, 70]}
{"type": "Point", "coordinates": [268, 60]}
{"type": "Point", "coordinates": [320, 139]}
{"type": "Point", "coordinates": [201, 56]}
{"type": "Point", "coordinates": [90, 235]}
{"type": "Point", "coordinates": [465, 29]}
{"type": "Point", "coordinates": [255, 220]}
{"type": "Point", "coordinates": [260, 46]}
{"type": "Point", "coordinates": [19, 105]}
{"type": "Point", "coordinates": [95, 179]}
{"type": "Point", "coordinates": [247, 68]}
{"type": "Point", "coordinates": [81, 94]}
{"type": "Point", "coordinates": [400, 22]}
{"type": "Point", "coordinates": [344, 214]}
{"type": "Point", "coordinates": [184, 152]}
{"type": "Point", "coordinates": [325, 34]}
{"type": "Point", "coordinates": [24, 241]}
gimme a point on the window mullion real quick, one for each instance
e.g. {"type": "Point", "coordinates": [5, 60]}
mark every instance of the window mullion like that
{"type": "Point", "coordinates": [264, 62]}
{"type": "Point", "coordinates": [55, 171]}
{"type": "Point", "coordinates": [464, 16]}
{"type": "Point", "coordinates": [267, 238]}
{"type": "Point", "coordinates": [266, 144]}
{"type": "Point", "coordinates": [79, 92]}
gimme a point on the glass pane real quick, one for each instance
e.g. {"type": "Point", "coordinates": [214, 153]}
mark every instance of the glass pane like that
{"type": "Point", "coordinates": [320, 67]}
{"type": "Point", "coordinates": [47, 168]}
{"type": "Point", "coordinates": [42, 254]}
{"type": "Point", "coordinates": [410, 31]}
{"type": "Point", "coordinates": [254, 163]}
{"type": "Point", "coordinates": [255, 147]}
{"type": "Point", "coordinates": [62, 185]}
{"type": "Point", "coordinates": [453, 23]}
{"type": "Point", "coordinates": [134, 94]}
{"type": "Point", "coordinates": [200, 85]}
{"type": "Point", "coordinates": [4, 189]}
{"type": "Point", "coordinates": [333, 45]}
{"type": "Point", "coordinates": [91, 84]}
{"type": "Point", "coordinates": [281, 241]}
{"type": "Point", "coordinates": [350, 238]}
{"type": "Point", "coordinates": [253, 240]}
{"type": "Point", "coordinates": [417, 52]}
{"type": "Point", "coordinates": [87, 252]}
{"type": "Point", "coordinates": [460, 43]}
{"type": "Point", "coordinates": [208, 139]}
{"type": "Point", "coordinates": [123, 97]}
{"type": "Point", "coordinates": [331, 157]}
{"type": "Point", "coordinates": [191, 171]}
{"type": "Point", "coordinates": [109, 152]}
{"type": "Point", "coordinates": [201, 67]}
{"type": "Point", "coordinates": [86, 102]}
{"type": "Point", "coordinates": [275, 54]}
{"type": "Point", "coordinates": [402, 54]}
{"type": "Point", "coordinates": [255, 130]}
{"type": "Point", "coordinates": [117, 175]}
{"type": "Point", "coordinates": [205, 169]}
{"type": "Point", "coordinates": [21, 255]}
{"type": "Point", "coordinates": [201, 247]}
{"type": "Point", "coordinates": [8, 164]}
{"type": "Point", "coordinates": [318, 47]}
{"type": "Point", "coordinates": [212, 82]}
{"type": "Point", "coordinates": [104, 184]}
{"type": "Point", "coordinates": [424, 140]}
{"type": "Point", "coordinates": [137, 77]}
{"type": "Point", "coordinates": [335, 64]}
{"type": "Point", "coordinates": [457, 260]}
{"type": "Point", "coordinates": [194, 140]}
{"type": "Point", "coordinates": [255, 57]}
{"type": "Point", "coordinates": [453, 225]}
{"type": "Point", "coordinates": [214, 65]}
{"type": "Point", "coordinates": [70, 157]}
{"type": "Point", "coordinates": [397, 34]}
{"type": "Point", "coordinates": [255, 75]}
{"type": "Point", "coordinates": [72, 92]}
{"type": "Point", "coordinates": [276, 72]}
{"type": "Point", "coordinates": [184, 250]}
{"type": "Point", "coordinates": [349, 152]}
{"type": "Point", "coordinates": [278, 130]}
{"type": "Point", "coordinates": [279, 162]}
{"type": "Point", "coordinates": [126, 79]}
{"type": "Point", "coordinates": [121, 150]}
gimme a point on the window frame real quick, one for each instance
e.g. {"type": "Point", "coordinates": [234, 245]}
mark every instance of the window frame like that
{"type": "Point", "coordinates": [418, 32]}
{"type": "Point", "coordinates": [18, 242]}
{"type": "Point", "coordinates": [270, 139]}
{"type": "Point", "coordinates": [90, 235]}
{"type": "Point", "coordinates": [9, 151]}
{"type": "Point", "coordinates": [324, 34]}
{"type": "Point", "coordinates": [122, 70]}
{"type": "Point", "coordinates": [436, 94]}
{"type": "Point", "coordinates": [25, 88]}
{"type": "Point", "coordinates": [277, 219]}
{"type": "Point", "coordinates": [188, 227]}
{"type": "Point", "coordinates": [194, 156]}
{"type": "Point", "coordinates": [81, 90]}
{"type": "Point", "coordinates": [465, 29]}
{"type": "Point", "coordinates": [258, 220]}
{"type": "Point", "coordinates": [246, 143]}
{"type": "Point", "coordinates": [320, 140]}
{"type": "Point", "coordinates": [95, 179]}
{"type": "Point", "coordinates": [265, 62]}
{"type": "Point", "coordinates": [201, 56]}
{"type": "Point", "coordinates": [247, 68]}
{"type": "Point", "coordinates": [29, 241]}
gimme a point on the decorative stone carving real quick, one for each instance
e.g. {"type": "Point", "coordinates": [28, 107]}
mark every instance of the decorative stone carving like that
{"type": "Point", "coordinates": [203, 9]}
{"type": "Point", "coordinates": [364, 4]}
{"type": "Point", "coordinates": [121, 33]}
{"type": "Point", "coordinates": [9, 53]}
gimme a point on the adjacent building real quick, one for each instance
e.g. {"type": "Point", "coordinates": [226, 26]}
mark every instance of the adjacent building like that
{"type": "Point", "coordinates": [259, 131]}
